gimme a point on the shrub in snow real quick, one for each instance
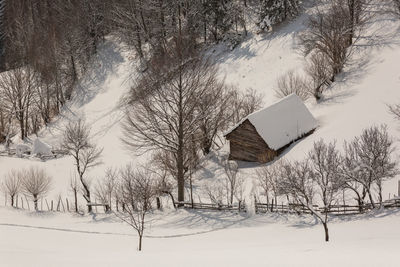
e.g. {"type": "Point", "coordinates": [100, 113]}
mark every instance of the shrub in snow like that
{"type": "Point", "coordinates": [292, 83]}
{"type": "Point", "coordinates": [22, 149]}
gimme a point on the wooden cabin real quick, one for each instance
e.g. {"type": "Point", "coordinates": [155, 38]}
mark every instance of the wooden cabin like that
{"type": "Point", "coordinates": [265, 134]}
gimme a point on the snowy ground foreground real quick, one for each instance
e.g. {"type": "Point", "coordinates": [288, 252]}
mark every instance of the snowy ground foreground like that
{"type": "Point", "coordinates": [197, 239]}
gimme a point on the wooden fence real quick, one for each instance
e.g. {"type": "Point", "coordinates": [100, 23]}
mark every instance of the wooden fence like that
{"type": "Point", "coordinates": [58, 205]}
{"type": "Point", "coordinates": [333, 210]}
{"type": "Point", "coordinates": [240, 207]}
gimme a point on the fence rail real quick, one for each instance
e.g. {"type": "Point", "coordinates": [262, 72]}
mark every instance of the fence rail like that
{"type": "Point", "coordinates": [333, 209]}
{"type": "Point", "coordinates": [241, 207]}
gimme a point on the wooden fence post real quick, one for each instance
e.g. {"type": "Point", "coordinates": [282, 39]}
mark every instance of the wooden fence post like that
{"type": "Point", "coordinates": [398, 189]}
{"type": "Point", "coordinates": [62, 204]}
{"type": "Point", "coordinates": [27, 202]}
{"type": "Point", "coordinates": [48, 208]}
{"type": "Point", "coordinates": [255, 204]}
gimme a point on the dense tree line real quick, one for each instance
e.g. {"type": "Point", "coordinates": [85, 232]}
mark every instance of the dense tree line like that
{"type": "Point", "coordinates": [46, 46]}
{"type": "Point", "coordinates": [49, 44]}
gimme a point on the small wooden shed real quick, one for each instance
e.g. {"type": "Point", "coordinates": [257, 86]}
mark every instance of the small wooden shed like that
{"type": "Point", "coordinates": [264, 134]}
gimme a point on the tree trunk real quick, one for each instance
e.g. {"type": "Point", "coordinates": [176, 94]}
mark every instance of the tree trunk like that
{"type": "Point", "coordinates": [35, 202]}
{"type": "Point", "coordinates": [326, 231]}
{"type": "Point", "coordinates": [76, 200]}
{"type": "Point", "coordinates": [140, 242]}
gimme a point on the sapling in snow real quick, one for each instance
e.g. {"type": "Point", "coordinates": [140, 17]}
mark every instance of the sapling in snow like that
{"type": "Point", "coordinates": [137, 191]}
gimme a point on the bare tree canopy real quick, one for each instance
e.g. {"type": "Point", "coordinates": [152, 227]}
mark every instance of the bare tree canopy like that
{"type": "Point", "coordinates": [11, 185]}
{"type": "Point", "coordinates": [164, 112]}
{"type": "Point", "coordinates": [36, 183]}
{"type": "Point", "coordinates": [76, 141]}
{"type": "Point", "coordinates": [137, 191]}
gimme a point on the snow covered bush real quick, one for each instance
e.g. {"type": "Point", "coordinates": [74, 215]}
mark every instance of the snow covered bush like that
{"type": "Point", "coordinates": [40, 148]}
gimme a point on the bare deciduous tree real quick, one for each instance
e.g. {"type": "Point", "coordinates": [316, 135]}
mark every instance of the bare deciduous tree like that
{"type": "Point", "coordinates": [369, 160]}
{"type": "Point", "coordinates": [12, 184]}
{"type": "Point", "coordinates": [74, 187]}
{"type": "Point", "coordinates": [331, 32]}
{"type": "Point", "coordinates": [216, 192]}
{"type": "Point", "coordinates": [320, 73]}
{"type": "Point", "coordinates": [163, 113]}
{"type": "Point", "coordinates": [268, 178]}
{"type": "Point", "coordinates": [77, 142]}
{"type": "Point", "coordinates": [316, 176]}
{"type": "Point", "coordinates": [243, 104]}
{"type": "Point", "coordinates": [233, 182]}
{"type": "Point", "coordinates": [137, 191]}
{"type": "Point", "coordinates": [215, 114]}
{"type": "Point", "coordinates": [325, 161]}
{"type": "Point", "coordinates": [16, 91]}
{"type": "Point", "coordinates": [105, 189]}
{"type": "Point", "coordinates": [395, 110]}
{"type": "Point", "coordinates": [36, 183]}
{"type": "Point", "coordinates": [292, 83]}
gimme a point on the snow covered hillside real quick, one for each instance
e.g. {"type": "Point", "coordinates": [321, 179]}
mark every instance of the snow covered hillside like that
{"type": "Point", "coordinates": [358, 99]}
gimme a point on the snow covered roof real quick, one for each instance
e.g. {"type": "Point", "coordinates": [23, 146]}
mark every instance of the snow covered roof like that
{"type": "Point", "coordinates": [282, 122]}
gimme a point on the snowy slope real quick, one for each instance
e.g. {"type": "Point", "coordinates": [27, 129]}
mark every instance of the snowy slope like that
{"type": "Point", "coordinates": [96, 101]}
{"type": "Point", "coordinates": [357, 100]}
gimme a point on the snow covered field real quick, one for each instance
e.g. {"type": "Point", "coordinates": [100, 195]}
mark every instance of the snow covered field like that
{"type": "Point", "coordinates": [197, 239]}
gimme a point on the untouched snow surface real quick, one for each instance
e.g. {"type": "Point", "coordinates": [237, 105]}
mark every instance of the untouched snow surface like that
{"type": "Point", "coordinates": [197, 239]}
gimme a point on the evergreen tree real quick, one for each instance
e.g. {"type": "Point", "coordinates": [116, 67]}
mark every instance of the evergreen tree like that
{"type": "Point", "coordinates": [272, 12]}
